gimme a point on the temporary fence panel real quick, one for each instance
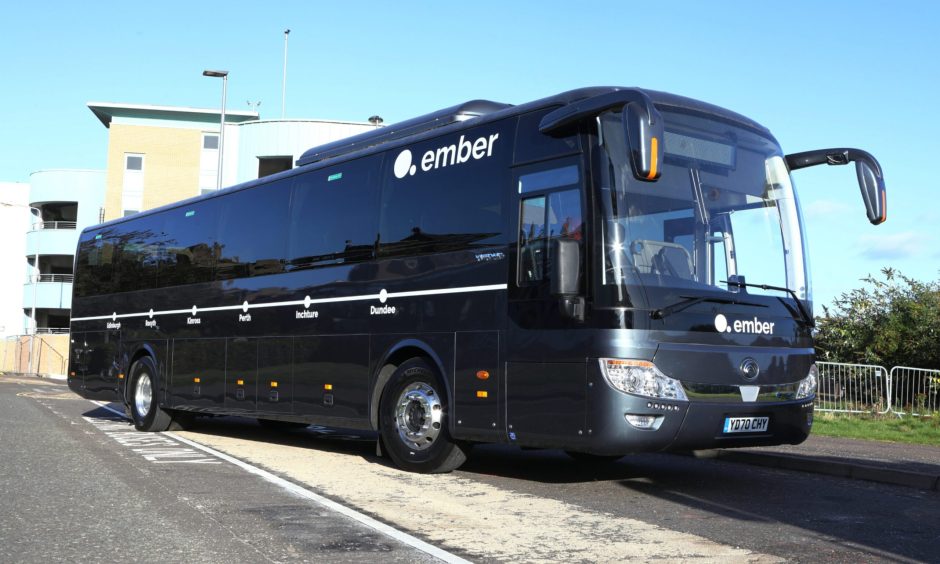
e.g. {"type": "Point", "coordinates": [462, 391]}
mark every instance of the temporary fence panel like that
{"type": "Point", "coordinates": [853, 388]}
{"type": "Point", "coordinates": [915, 391]}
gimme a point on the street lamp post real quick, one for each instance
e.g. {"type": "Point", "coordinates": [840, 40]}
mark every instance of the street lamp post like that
{"type": "Point", "coordinates": [284, 76]}
{"type": "Point", "coordinates": [224, 76]}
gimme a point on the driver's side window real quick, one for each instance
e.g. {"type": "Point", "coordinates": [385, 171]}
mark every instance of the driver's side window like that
{"type": "Point", "coordinates": [542, 218]}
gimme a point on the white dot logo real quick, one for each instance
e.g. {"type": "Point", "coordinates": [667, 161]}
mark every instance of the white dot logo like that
{"type": "Point", "coordinates": [245, 306]}
{"type": "Point", "coordinates": [403, 166]}
{"type": "Point", "coordinates": [383, 295]}
{"type": "Point", "coordinates": [721, 324]}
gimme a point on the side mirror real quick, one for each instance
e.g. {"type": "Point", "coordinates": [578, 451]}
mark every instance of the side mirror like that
{"type": "Point", "coordinates": [871, 181]}
{"type": "Point", "coordinates": [872, 185]}
{"type": "Point", "coordinates": [566, 266]}
{"type": "Point", "coordinates": [643, 126]}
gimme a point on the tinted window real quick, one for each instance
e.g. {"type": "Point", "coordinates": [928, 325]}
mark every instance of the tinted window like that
{"type": "Point", "coordinates": [447, 193]}
{"type": "Point", "coordinates": [549, 178]}
{"type": "Point", "coordinates": [334, 215]}
{"type": "Point", "coordinates": [552, 216]}
{"type": "Point", "coordinates": [139, 253]}
{"type": "Point", "coordinates": [252, 237]}
{"type": "Point", "coordinates": [188, 248]}
{"type": "Point", "coordinates": [95, 264]}
{"type": "Point", "coordinates": [547, 216]}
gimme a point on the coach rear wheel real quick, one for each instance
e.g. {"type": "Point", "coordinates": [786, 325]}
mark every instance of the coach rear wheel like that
{"type": "Point", "coordinates": [413, 421]}
{"type": "Point", "coordinates": [145, 410]}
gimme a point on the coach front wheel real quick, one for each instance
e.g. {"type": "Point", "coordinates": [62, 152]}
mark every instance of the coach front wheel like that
{"type": "Point", "coordinates": [144, 407]}
{"type": "Point", "coordinates": [413, 420]}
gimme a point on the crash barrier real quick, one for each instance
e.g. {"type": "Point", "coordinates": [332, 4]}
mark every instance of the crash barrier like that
{"type": "Point", "coordinates": [915, 391]}
{"type": "Point", "coordinates": [867, 388]}
{"type": "Point", "coordinates": [852, 388]}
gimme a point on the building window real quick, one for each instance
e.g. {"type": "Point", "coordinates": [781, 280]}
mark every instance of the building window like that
{"type": "Point", "coordinates": [210, 141]}
{"type": "Point", "coordinates": [132, 195]}
{"type": "Point", "coordinates": [134, 162]}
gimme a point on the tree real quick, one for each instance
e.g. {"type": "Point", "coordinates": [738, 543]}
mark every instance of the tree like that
{"type": "Point", "coordinates": [890, 322]}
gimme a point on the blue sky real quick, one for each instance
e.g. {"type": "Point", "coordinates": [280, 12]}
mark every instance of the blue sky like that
{"type": "Point", "coordinates": [856, 74]}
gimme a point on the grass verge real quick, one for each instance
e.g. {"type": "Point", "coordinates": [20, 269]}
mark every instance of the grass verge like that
{"type": "Point", "coordinates": [911, 430]}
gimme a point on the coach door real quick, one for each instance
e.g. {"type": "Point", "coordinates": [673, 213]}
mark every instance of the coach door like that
{"type": "Point", "coordinates": [546, 380]}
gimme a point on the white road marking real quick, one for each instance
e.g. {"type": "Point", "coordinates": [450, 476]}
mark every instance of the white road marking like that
{"type": "Point", "coordinates": [293, 488]}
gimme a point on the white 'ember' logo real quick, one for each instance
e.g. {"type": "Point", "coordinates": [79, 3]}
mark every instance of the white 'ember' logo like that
{"type": "Point", "coordinates": [449, 155]}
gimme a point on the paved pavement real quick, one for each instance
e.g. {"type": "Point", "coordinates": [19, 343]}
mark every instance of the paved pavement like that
{"type": "Point", "coordinates": [915, 466]}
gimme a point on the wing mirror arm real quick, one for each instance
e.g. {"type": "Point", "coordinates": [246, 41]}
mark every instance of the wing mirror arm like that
{"type": "Point", "coordinates": [642, 123]}
{"type": "Point", "coordinates": [870, 177]}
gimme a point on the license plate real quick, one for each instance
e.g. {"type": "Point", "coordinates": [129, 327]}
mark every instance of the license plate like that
{"type": "Point", "coordinates": [746, 424]}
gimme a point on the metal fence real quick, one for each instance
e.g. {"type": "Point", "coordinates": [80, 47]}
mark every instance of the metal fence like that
{"type": "Point", "coordinates": [915, 391]}
{"type": "Point", "coordinates": [853, 388]}
{"type": "Point", "coordinates": [866, 388]}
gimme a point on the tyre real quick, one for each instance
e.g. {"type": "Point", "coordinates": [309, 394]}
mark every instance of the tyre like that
{"type": "Point", "coordinates": [275, 424]}
{"type": "Point", "coordinates": [145, 410]}
{"type": "Point", "coordinates": [413, 420]}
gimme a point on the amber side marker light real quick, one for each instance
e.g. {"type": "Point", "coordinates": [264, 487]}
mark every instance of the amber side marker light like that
{"type": "Point", "coordinates": [240, 382]}
{"type": "Point", "coordinates": [483, 394]}
{"type": "Point", "coordinates": [328, 387]}
{"type": "Point", "coordinates": [197, 380]}
{"type": "Point", "coordinates": [120, 376]}
{"type": "Point", "coordinates": [273, 384]}
{"type": "Point", "coordinates": [483, 375]}
{"type": "Point", "coordinates": [654, 151]}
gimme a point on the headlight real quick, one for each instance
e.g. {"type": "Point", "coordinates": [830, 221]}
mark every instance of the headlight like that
{"type": "Point", "coordinates": [642, 378]}
{"type": "Point", "coordinates": [807, 387]}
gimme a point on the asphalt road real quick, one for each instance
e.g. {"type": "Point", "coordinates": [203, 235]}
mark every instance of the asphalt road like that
{"type": "Point", "coordinates": [77, 483]}
{"type": "Point", "coordinates": [76, 486]}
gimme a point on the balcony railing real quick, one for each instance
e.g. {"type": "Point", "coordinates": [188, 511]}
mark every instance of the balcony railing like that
{"type": "Point", "coordinates": [65, 278]}
{"type": "Point", "coordinates": [54, 225]}
{"type": "Point", "coordinates": [52, 330]}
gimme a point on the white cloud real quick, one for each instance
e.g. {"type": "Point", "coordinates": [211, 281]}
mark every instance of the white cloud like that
{"type": "Point", "coordinates": [906, 244]}
{"type": "Point", "coordinates": [825, 208]}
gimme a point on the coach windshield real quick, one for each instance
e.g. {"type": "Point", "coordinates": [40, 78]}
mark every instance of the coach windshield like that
{"type": "Point", "coordinates": [723, 214]}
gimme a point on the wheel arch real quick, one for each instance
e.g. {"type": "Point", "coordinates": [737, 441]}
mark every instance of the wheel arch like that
{"type": "Point", "coordinates": [144, 350]}
{"type": "Point", "coordinates": [391, 360]}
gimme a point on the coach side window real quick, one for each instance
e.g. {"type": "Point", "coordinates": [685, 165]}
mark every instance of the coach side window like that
{"type": "Point", "coordinates": [546, 216]}
{"type": "Point", "coordinates": [96, 256]}
{"type": "Point", "coordinates": [188, 248]}
{"type": "Point", "coordinates": [448, 193]}
{"type": "Point", "coordinates": [138, 257]}
{"type": "Point", "coordinates": [334, 214]}
{"type": "Point", "coordinates": [252, 238]}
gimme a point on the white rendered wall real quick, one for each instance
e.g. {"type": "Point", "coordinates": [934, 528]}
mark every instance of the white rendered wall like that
{"type": "Point", "coordinates": [14, 223]}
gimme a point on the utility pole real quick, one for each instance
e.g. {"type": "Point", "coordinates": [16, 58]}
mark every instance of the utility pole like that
{"type": "Point", "coordinates": [284, 81]}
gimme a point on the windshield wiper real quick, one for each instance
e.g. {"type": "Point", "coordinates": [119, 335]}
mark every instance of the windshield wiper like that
{"type": "Point", "coordinates": [689, 301]}
{"type": "Point", "coordinates": [807, 318]}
